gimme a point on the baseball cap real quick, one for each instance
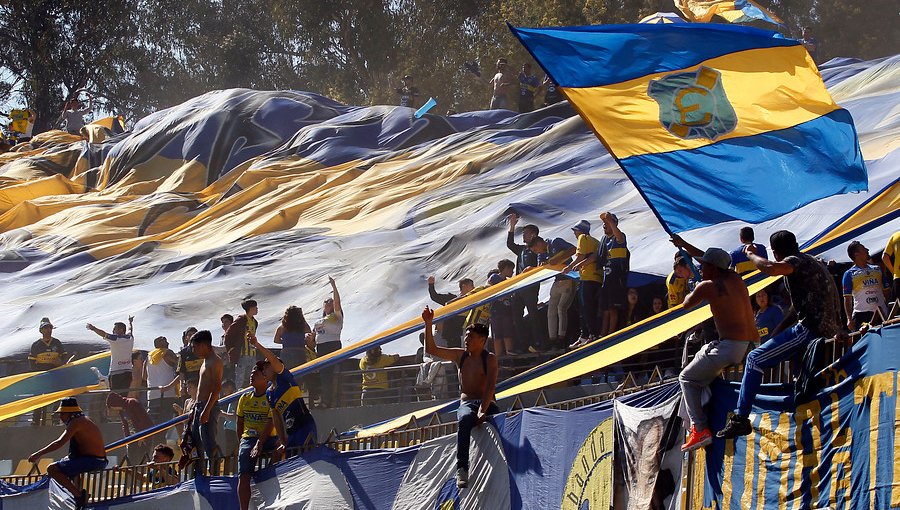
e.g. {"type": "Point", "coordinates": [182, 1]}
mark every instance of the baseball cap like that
{"type": "Point", "coordinates": [717, 257]}
{"type": "Point", "coordinates": [44, 323]}
{"type": "Point", "coordinates": [495, 279]}
{"type": "Point", "coordinates": [583, 226]}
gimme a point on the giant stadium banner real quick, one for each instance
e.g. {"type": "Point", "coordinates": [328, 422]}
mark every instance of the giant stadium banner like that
{"type": "Point", "coordinates": [837, 451]}
{"type": "Point", "coordinates": [534, 459]}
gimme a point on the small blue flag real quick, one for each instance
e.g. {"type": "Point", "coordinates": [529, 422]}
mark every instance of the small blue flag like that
{"type": "Point", "coordinates": [431, 103]}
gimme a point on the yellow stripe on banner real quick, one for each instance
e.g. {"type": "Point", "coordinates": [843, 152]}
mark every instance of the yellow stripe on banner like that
{"type": "Point", "coordinates": [886, 203]}
{"type": "Point", "coordinates": [31, 403]}
{"type": "Point", "coordinates": [12, 379]}
{"type": "Point", "coordinates": [768, 88]}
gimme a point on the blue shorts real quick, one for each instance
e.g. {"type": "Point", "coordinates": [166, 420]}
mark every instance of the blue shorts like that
{"type": "Point", "coordinates": [247, 464]}
{"type": "Point", "coordinates": [72, 467]}
{"type": "Point", "coordinates": [300, 434]}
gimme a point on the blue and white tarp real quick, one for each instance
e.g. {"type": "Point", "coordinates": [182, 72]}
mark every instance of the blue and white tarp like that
{"type": "Point", "coordinates": [535, 460]}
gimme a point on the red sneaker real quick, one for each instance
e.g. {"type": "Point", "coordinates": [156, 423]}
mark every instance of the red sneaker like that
{"type": "Point", "coordinates": [697, 439]}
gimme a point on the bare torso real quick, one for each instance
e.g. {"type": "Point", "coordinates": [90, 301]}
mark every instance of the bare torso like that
{"type": "Point", "coordinates": [500, 81]}
{"type": "Point", "coordinates": [87, 436]}
{"type": "Point", "coordinates": [473, 379]}
{"type": "Point", "coordinates": [731, 308]}
{"type": "Point", "coordinates": [210, 380]}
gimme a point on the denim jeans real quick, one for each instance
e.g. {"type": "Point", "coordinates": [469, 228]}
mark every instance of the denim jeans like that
{"type": "Point", "coordinates": [779, 348]}
{"type": "Point", "coordinates": [467, 415]}
{"type": "Point", "coordinates": [205, 434]}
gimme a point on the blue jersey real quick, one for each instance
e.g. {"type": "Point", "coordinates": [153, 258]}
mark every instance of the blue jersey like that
{"type": "Point", "coordinates": [614, 255]}
{"type": "Point", "coordinates": [767, 321]}
{"type": "Point", "coordinates": [742, 264]}
{"type": "Point", "coordinates": [287, 399]}
{"type": "Point", "coordinates": [866, 286]}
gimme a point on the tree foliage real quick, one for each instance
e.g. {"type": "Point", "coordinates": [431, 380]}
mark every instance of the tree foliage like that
{"type": "Point", "coordinates": [138, 56]}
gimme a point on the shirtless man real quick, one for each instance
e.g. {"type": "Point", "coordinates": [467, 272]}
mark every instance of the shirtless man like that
{"type": "Point", "coordinates": [477, 381]}
{"type": "Point", "coordinates": [206, 410]}
{"type": "Point", "coordinates": [732, 313]}
{"type": "Point", "coordinates": [501, 82]}
{"type": "Point", "coordinates": [86, 449]}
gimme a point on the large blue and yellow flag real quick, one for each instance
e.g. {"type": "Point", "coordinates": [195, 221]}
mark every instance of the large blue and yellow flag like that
{"type": "Point", "coordinates": [711, 122]}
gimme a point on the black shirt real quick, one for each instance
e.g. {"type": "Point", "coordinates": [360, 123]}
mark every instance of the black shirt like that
{"type": "Point", "coordinates": [46, 356]}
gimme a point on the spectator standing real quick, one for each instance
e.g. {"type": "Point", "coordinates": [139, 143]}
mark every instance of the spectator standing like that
{"type": "Point", "coordinates": [430, 380]}
{"type": "Point", "coordinates": [557, 251]}
{"type": "Point", "coordinates": [480, 314]}
{"type": "Point", "coordinates": [86, 450]}
{"type": "Point", "coordinates": [477, 384]}
{"type": "Point", "coordinates": [291, 335]}
{"type": "Point", "coordinates": [768, 315]}
{"type": "Point", "coordinates": [865, 290]}
{"type": "Point", "coordinates": [73, 115]}
{"type": "Point", "coordinates": [502, 326]}
{"type": "Point", "coordinates": [46, 353]}
{"type": "Point", "coordinates": [500, 83]}
{"type": "Point", "coordinates": [254, 424]}
{"type": "Point", "coordinates": [409, 94]}
{"type": "Point", "coordinates": [121, 344]}
{"type": "Point", "coordinates": [160, 370]}
{"type": "Point", "coordinates": [21, 124]}
{"type": "Point", "coordinates": [292, 419]}
{"type": "Point", "coordinates": [326, 335]}
{"type": "Point", "coordinates": [133, 417]}
{"type": "Point", "coordinates": [204, 417]}
{"type": "Point", "coordinates": [528, 85]}
{"type": "Point", "coordinates": [814, 308]}
{"type": "Point", "coordinates": [229, 419]}
{"type": "Point", "coordinates": [591, 281]}
{"type": "Point", "coordinates": [189, 364]}
{"type": "Point", "coordinates": [614, 259]}
{"type": "Point", "coordinates": [553, 94]}
{"type": "Point", "coordinates": [238, 340]}
{"type": "Point", "coordinates": [529, 331]}
{"type": "Point", "coordinates": [739, 260]}
{"type": "Point", "coordinates": [138, 373]}
{"type": "Point", "coordinates": [452, 327]}
{"type": "Point", "coordinates": [678, 281]}
{"type": "Point", "coordinates": [227, 320]}
{"type": "Point", "coordinates": [375, 383]}
{"type": "Point", "coordinates": [891, 259]}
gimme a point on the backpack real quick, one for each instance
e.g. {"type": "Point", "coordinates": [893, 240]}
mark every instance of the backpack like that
{"type": "Point", "coordinates": [807, 385]}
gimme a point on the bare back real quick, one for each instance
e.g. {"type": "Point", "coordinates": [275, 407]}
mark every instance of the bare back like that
{"type": "Point", "coordinates": [210, 380]}
{"type": "Point", "coordinates": [86, 435]}
{"type": "Point", "coordinates": [730, 303]}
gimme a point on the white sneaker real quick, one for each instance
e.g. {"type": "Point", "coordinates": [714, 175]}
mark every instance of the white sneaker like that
{"type": "Point", "coordinates": [462, 478]}
{"type": "Point", "coordinates": [578, 343]}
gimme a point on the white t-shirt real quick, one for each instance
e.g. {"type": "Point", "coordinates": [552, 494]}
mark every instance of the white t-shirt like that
{"type": "Point", "coordinates": [120, 348]}
{"type": "Point", "coordinates": [158, 374]}
{"type": "Point", "coordinates": [328, 328]}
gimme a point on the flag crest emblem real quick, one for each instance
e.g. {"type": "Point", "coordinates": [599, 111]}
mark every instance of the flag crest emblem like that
{"type": "Point", "coordinates": [693, 104]}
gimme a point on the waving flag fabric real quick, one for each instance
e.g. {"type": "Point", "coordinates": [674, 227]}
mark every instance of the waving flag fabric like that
{"type": "Point", "coordinates": [737, 11]}
{"type": "Point", "coordinates": [706, 120]}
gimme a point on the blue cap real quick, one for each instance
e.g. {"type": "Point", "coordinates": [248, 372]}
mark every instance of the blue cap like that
{"type": "Point", "coordinates": [583, 226]}
{"type": "Point", "coordinates": [495, 279]}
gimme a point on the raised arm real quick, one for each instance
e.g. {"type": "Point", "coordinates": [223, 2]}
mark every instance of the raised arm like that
{"type": "Point", "coordinates": [277, 365]}
{"type": "Point", "coordinates": [336, 296]}
{"type": "Point", "coordinates": [766, 266]}
{"type": "Point", "coordinates": [441, 299]}
{"type": "Point", "coordinates": [607, 220]}
{"type": "Point", "coordinates": [513, 219]}
{"type": "Point", "coordinates": [430, 346]}
{"type": "Point", "coordinates": [131, 325]}
{"type": "Point", "coordinates": [692, 250]}
{"type": "Point", "coordinates": [97, 330]}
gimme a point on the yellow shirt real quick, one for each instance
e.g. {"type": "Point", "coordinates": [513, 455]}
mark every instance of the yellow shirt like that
{"type": "Point", "coordinates": [256, 412]}
{"type": "Point", "coordinates": [677, 289]}
{"type": "Point", "coordinates": [586, 246]}
{"type": "Point", "coordinates": [893, 250]}
{"type": "Point", "coordinates": [376, 380]}
{"type": "Point", "coordinates": [479, 315]}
